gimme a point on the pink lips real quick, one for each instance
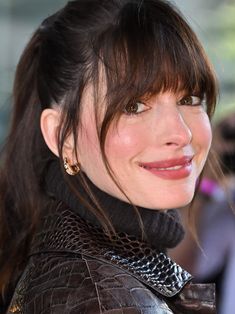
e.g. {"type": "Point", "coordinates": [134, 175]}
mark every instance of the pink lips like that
{"type": "Point", "coordinates": [173, 169]}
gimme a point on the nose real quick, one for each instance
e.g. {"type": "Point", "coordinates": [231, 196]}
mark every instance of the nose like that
{"type": "Point", "coordinates": [175, 130]}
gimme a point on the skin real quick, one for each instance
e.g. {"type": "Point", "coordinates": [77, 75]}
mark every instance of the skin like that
{"type": "Point", "coordinates": [161, 129]}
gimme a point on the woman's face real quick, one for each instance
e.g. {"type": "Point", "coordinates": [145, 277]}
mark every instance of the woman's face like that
{"type": "Point", "coordinates": [156, 151]}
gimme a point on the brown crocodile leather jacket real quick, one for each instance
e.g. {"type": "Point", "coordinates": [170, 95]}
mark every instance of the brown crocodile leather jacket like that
{"type": "Point", "coordinates": [74, 267]}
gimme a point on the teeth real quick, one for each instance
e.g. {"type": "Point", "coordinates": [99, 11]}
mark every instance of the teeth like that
{"type": "Point", "coordinates": [170, 168]}
{"type": "Point", "coordinates": [164, 168]}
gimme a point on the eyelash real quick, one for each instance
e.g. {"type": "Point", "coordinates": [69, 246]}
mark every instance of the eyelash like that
{"type": "Point", "coordinates": [131, 107]}
{"type": "Point", "coordinates": [196, 101]}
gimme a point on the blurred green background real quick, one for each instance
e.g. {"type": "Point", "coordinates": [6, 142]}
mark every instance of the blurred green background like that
{"type": "Point", "coordinates": [213, 20]}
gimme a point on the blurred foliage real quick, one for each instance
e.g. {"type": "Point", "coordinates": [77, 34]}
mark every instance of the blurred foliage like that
{"type": "Point", "coordinates": [222, 31]}
{"type": "Point", "coordinates": [226, 46]}
{"type": "Point", "coordinates": [221, 26]}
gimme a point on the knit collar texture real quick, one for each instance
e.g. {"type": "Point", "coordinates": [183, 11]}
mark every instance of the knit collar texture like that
{"type": "Point", "coordinates": [162, 229]}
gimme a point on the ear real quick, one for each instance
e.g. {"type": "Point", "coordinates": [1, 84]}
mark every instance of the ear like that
{"type": "Point", "coordinates": [50, 121]}
{"type": "Point", "coordinates": [49, 126]}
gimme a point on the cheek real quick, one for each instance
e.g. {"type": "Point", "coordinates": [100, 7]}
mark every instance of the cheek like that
{"type": "Point", "coordinates": [88, 147]}
{"type": "Point", "coordinates": [123, 142]}
{"type": "Point", "coordinates": [202, 137]}
{"type": "Point", "coordinates": [203, 133]}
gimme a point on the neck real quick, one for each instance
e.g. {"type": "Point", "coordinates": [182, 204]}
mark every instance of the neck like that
{"type": "Point", "coordinates": [161, 230]}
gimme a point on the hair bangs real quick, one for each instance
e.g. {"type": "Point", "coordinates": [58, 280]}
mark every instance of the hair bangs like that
{"type": "Point", "coordinates": [144, 54]}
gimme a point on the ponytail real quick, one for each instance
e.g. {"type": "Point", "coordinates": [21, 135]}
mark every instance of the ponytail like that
{"type": "Point", "coordinates": [18, 176]}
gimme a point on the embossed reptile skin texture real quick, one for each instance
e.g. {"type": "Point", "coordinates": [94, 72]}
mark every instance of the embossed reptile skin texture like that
{"type": "Point", "coordinates": [75, 268]}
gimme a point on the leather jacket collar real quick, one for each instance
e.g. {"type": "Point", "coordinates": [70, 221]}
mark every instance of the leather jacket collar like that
{"type": "Point", "coordinates": [65, 231]}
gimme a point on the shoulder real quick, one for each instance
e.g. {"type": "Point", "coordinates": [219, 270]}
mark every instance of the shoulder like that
{"type": "Point", "coordinates": [72, 283]}
{"type": "Point", "coordinates": [55, 283]}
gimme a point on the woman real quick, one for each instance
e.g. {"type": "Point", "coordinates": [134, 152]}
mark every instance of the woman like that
{"type": "Point", "coordinates": [110, 132]}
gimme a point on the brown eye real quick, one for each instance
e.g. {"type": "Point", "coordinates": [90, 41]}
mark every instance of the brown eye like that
{"type": "Point", "coordinates": [135, 108]}
{"type": "Point", "coordinates": [190, 101]}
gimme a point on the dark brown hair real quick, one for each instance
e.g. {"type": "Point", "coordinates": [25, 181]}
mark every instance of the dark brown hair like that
{"type": "Point", "coordinates": [144, 47]}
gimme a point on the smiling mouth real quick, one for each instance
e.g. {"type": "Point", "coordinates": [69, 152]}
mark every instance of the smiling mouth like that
{"type": "Point", "coordinates": [166, 168]}
{"type": "Point", "coordinates": [170, 169]}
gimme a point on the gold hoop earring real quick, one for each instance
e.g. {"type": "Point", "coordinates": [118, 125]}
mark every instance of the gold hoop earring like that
{"type": "Point", "coordinates": [72, 170]}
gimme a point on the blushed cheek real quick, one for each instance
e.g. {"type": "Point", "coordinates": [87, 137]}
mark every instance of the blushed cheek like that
{"type": "Point", "coordinates": [88, 146]}
{"type": "Point", "coordinates": [202, 135]}
{"type": "Point", "coordinates": [205, 133]}
{"type": "Point", "coordinates": [125, 143]}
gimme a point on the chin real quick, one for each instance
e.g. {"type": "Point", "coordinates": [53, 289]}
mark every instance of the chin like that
{"type": "Point", "coordinates": [179, 202]}
{"type": "Point", "coordinates": [176, 201]}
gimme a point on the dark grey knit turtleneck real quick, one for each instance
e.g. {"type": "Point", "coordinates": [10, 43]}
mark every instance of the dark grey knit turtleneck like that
{"type": "Point", "coordinates": [162, 229]}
